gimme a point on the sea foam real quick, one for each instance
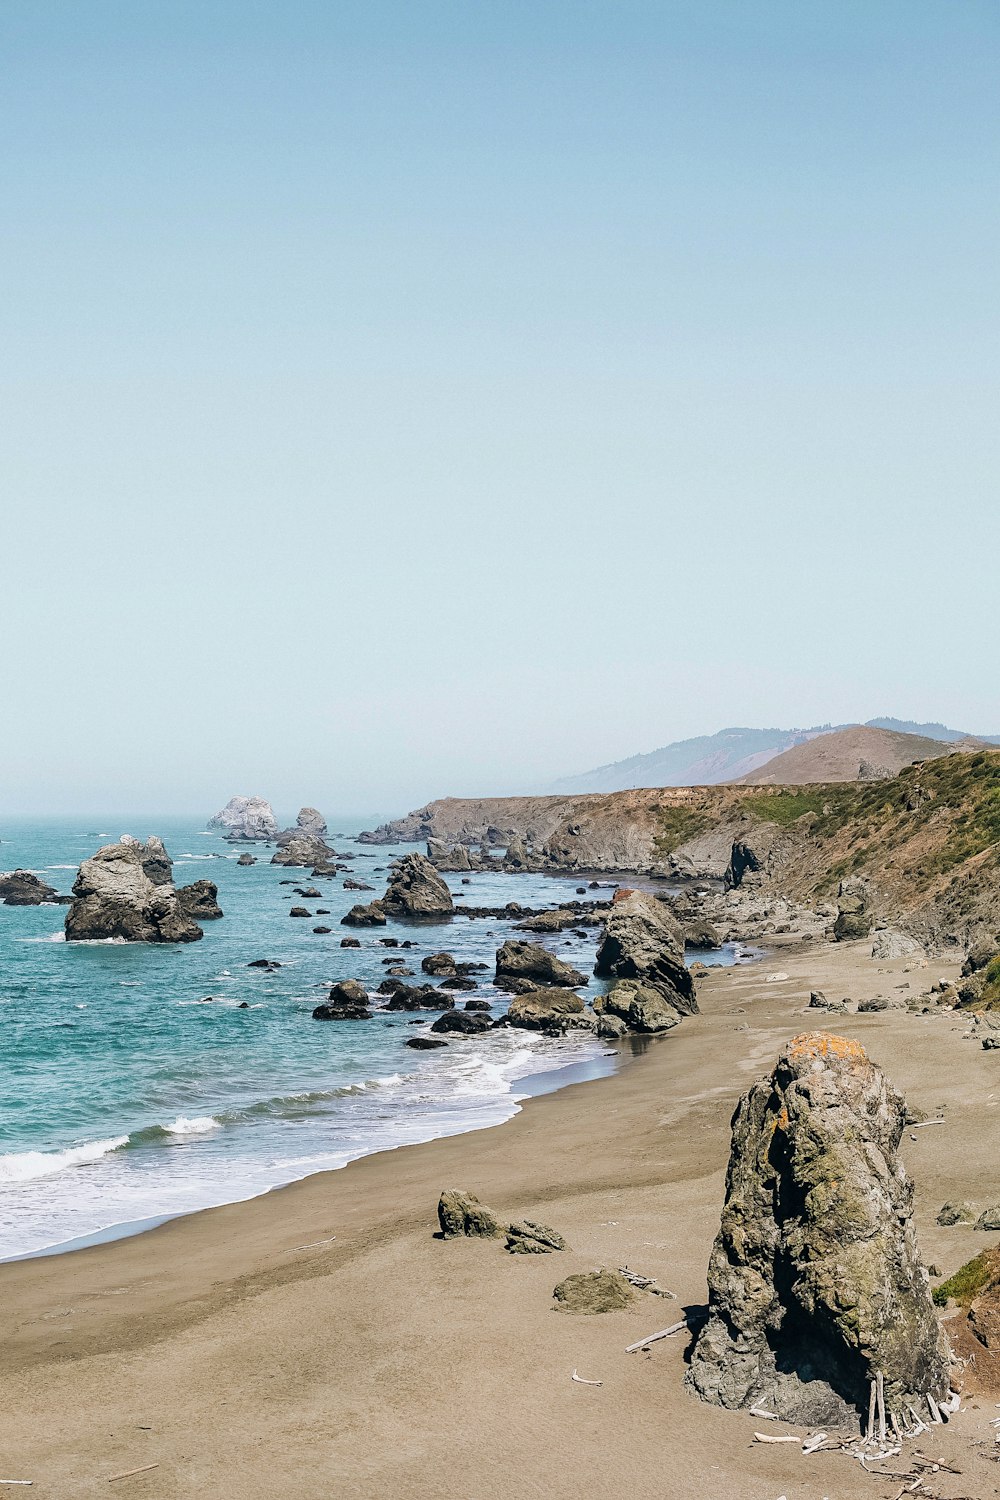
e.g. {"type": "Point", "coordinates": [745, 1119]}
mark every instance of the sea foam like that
{"type": "Point", "coordinates": [26, 1166]}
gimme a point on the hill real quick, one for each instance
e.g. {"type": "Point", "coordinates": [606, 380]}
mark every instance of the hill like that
{"type": "Point", "coordinates": [839, 757]}
{"type": "Point", "coordinates": [706, 760]}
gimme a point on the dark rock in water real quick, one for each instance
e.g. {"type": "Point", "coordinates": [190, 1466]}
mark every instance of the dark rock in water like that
{"type": "Point", "coordinates": [549, 921]}
{"type": "Point", "coordinates": [350, 942]}
{"type": "Point", "coordinates": [243, 1005]}
{"type": "Point", "coordinates": [458, 982]}
{"type": "Point", "coordinates": [322, 911]}
{"type": "Point", "coordinates": [581, 890]}
{"type": "Point", "coordinates": [418, 997]}
{"type": "Point", "coordinates": [200, 900]}
{"type": "Point", "coordinates": [551, 1010]}
{"type": "Point", "coordinates": [390, 987]}
{"type": "Point", "coordinates": [246, 820]}
{"type": "Point", "coordinates": [263, 963]}
{"type": "Point", "coordinates": [463, 1214]}
{"type": "Point", "coordinates": [477, 1005]}
{"type": "Point", "coordinates": [348, 1001]}
{"type": "Point", "coordinates": [400, 971]}
{"type": "Point", "coordinates": [321, 929]}
{"type": "Point", "coordinates": [425, 1043]}
{"type": "Point", "coordinates": [299, 911]}
{"type": "Point", "coordinates": [815, 1281]}
{"type": "Point", "coordinates": [121, 893]}
{"type": "Point", "coordinates": [439, 963]}
{"type": "Point", "coordinates": [467, 1022]}
{"type": "Point", "coordinates": [348, 992]}
{"type": "Point", "coordinates": [643, 942]}
{"type": "Point", "coordinates": [21, 888]}
{"type": "Point", "coordinates": [309, 892]}
{"type": "Point", "coordinates": [517, 960]}
{"type": "Point", "coordinates": [416, 890]}
{"type": "Point", "coordinates": [639, 1006]}
{"type": "Point", "coordinates": [389, 942]}
{"type": "Point", "coordinates": [364, 916]}
{"type": "Point", "coordinates": [517, 986]}
{"type": "Point", "coordinates": [357, 885]}
{"type": "Point", "coordinates": [594, 1292]}
{"type": "Point", "coordinates": [528, 1238]}
{"type": "Point", "coordinates": [246, 859]}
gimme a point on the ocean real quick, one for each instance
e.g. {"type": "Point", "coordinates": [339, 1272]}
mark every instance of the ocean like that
{"type": "Point", "coordinates": [143, 1081]}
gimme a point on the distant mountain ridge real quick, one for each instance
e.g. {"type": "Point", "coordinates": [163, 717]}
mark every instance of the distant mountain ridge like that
{"type": "Point", "coordinates": [729, 755]}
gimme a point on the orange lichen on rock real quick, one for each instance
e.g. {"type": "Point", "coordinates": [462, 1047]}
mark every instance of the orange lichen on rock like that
{"type": "Point", "coordinates": [822, 1044]}
{"type": "Point", "coordinates": [622, 894]}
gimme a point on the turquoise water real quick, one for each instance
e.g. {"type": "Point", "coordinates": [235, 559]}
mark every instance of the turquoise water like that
{"type": "Point", "coordinates": [130, 1094]}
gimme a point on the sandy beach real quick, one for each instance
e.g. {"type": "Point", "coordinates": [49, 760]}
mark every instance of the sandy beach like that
{"type": "Point", "coordinates": [320, 1341]}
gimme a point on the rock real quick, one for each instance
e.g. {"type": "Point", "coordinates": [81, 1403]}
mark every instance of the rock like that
{"type": "Point", "coordinates": [594, 1292]}
{"type": "Point", "coordinates": [854, 920]}
{"type": "Point", "coordinates": [350, 942]}
{"type": "Point", "coordinates": [890, 944]}
{"type": "Point", "coordinates": [425, 1043]}
{"type": "Point", "coordinates": [481, 1005]}
{"type": "Point", "coordinates": [311, 822]}
{"type": "Point", "coordinates": [549, 921]}
{"type": "Point", "coordinates": [263, 963]}
{"type": "Point", "coordinates": [468, 1023]}
{"type": "Point", "coordinates": [299, 911]}
{"type": "Point", "coordinates": [989, 1219]}
{"type": "Point", "coordinates": [611, 1028]}
{"type": "Point", "coordinates": [246, 859]}
{"type": "Point", "coordinates": [981, 954]}
{"type": "Point", "coordinates": [517, 960]}
{"type": "Point", "coordinates": [416, 891]}
{"type": "Point", "coordinates": [955, 1213]}
{"type": "Point", "coordinates": [815, 1281]}
{"type": "Point", "coordinates": [422, 997]}
{"type": "Point", "coordinates": [348, 1001]}
{"type": "Point", "coordinates": [758, 856]}
{"type": "Point", "coordinates": [463, 1214]}
{"type": "Point", "coordinates": [699, 971]}
{"type": "Point", "coordinates": [321, 930]}
{"type": "Point", "coordinates": [550, 1010]}
{"type": "Point", "coordinates": [121, 893]}
{"type": "Point", "coordinates": [357, 885]}
{"type": "Point", "coordinates": [21, 888]}
{"type": "Point", "coordinates": [869, 771]}
{"type": "Point", "coordinates": [701, 934]}
{"type": "Point", "coordinates": [529, 1238]}
{"type": "Point", "coordinates": [348, 992]}
{"type": "Point", "coordinates": [200, 900]}
{"type": "Point", "coordinates": [639, 1006]}
{"type": "Point", "coordinates": [439, 963]}
{"type": "Point", "coordinates": [303, 850]}
{"type": "Point", "coordinates": [246, 820]}
{"type": "Point", "coordinates": [642, 941]}
{"type": "Point", "coordinates": [516, 857]}
{"type": "Point", "coordinates": [458, 982]}
{"type": "Point", "coordinates": [876, 1003]}
{"type": "Point", "coordinates": [991, 1043]}
{"type": "Point", "coordinates": [365, 916]}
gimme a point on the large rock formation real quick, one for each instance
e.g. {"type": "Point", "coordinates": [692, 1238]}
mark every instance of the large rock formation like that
{"type": "Point", "coordinates": [554, 1011]}
{"type": "Point", "coordinates": [815, 1282]}
{"type": "Point", "coordinates": [416, 890]}
{"type": "Point", "coordinates": [639, 1006]}
{"type": "Point", "coordinates": [301, 850]}
{"type": "Point", "coordinates": [22, 888]}
{"type": "Point", "coordinates": [854, 917]}
{"type": "Point", "coordinates": [517, 960]}
{"type": "Point", "coordinates": [643, 942]}
{"type": "Point", "coordinates": [246, 820]}
{"type": "Point", "coordinates": [200, 900]}
{"type": "Point", "coordinates": [125, 891]}
{"type": "Point", "coordinates": [310, 820]}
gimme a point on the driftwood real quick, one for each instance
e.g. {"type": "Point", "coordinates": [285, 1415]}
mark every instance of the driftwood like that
{"type": "Point", "coordinates": [767, 1437]}
{"type": "Point", "coordinates": [645, 1283]}
{"type": "Point", "coordinates": [580, 1380]}
{"type": "Point", "coordinates": [664, 1333]}
{"type": "Point", "coordinates": [919, 1125]}
{"type": "Point", "coordinates": [127, 1473]}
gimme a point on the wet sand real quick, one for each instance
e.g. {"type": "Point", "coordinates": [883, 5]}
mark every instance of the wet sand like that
{"type": "Point", "coordinates": [320, 1342]}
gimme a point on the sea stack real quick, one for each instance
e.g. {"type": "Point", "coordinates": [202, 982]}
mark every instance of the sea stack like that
{"type": "Point", "coordinates": [125, 891]}
{"type": "Point", "coordinates": [643, 943]}
{"type": "Point", "coordinates": [815, 1282]}
{"type": "Point", "coordinates": [416, 891]}
{"type": "Point", "coordinates": [246, 820]}
{"type": "Point", "coordinates": [304, 846]}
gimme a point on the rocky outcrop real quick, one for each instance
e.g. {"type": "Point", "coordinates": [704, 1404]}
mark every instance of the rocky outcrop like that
{"type": "Point", "coordinates": [462, 1214]}
{"type": "Point", "coordinates": [759, 855]}
{"type": "Point", "coordinates": [371, 915]}
{"type": "Point", "coordinates": [246, 820]}
{"type": "Point", "coordinates": [643, 942]}
{"type": "Point", "coordinates": [200, 900]}
{"type": "Point", "coordinates": [125, 892]}
{"type": "Point", "coordinates": [309, 821]}
{"type": "Point", "coordinates": [591, 1292]}
{"type": "Point", "coordinates": [246, 859]}
{"type": "Point", "coordinates": [348, 1001]}
{"type": "Point", "coordinates": [527, 1237]}
{"type": "Point", "coordinates": [466, 1023]}
{"type": "Point", "coordinates": [890, 943]}
{"type": "Point", "coordinates": [815, 1282]}
{"type": "Point", "coordinates": [416, 891]}
{"type": "Point", "coordinates": [518, 960]}
{"type": "Point", "coordinates": [869, 771]}
{"type": "Point", "coordinates": [300, 850]}
{"type": "Point", "coordinates": [554, 1011]}
{"type": "Point", "coordinates": [22, 888]}
{"type": "Point", "coordinates": [854, 918]}
{"type": "Point", "coordinates": [638, 1006]}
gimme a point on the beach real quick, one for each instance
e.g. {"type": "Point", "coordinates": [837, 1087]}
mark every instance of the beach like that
{"type": "Point", "coordinates": [320, 1340]}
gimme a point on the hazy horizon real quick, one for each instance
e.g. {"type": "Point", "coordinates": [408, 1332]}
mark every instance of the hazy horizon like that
{"type": "Point", "coordinates": [412, 401]}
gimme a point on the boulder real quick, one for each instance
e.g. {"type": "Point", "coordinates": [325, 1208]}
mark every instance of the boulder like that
{"type": "Point", "coordinates": [955, 1213]}
{"type": "Point", "coordinates": [516, 857]}
{"type": "Point", "coordinates": [300, 911]}
{"type": "Point", "coordinates": [639, 1006]}
{"type": "Point", "coordinates": [365, 916]}
{"type": "Point", "coordinates": [463, 1214]}
{"type": "Point", "coordinates": [21, 888]}
{"type": "Point", "coordinates": [468, 1023]}
{"type": "Point", "coordinates": [526, 1237]}
{"type": "Point", "coordinates": [891, 944]}
{"type": "Point", "coordinates": [815, 1281]}
{"type": "Point", "coordinates": [246, 820]}
{"type": "Point", "coordinates": [989, 1219]}
{"type": "Point", "coordinates": [551, 1010]}
{"type": "Point", "coordinates": [517, 960]}
{"type": "Point", "coordinates": [445, 857]}
{"type": "Point", "coordinates": [246, 859]}
{"type": "Point", "coordinates": [549, 921]}
{"type": "Point", "coordinates": [309, 821]}
{"type": "Point", "coordinates": [643, 942]}
{"type": "Point", "coordinates": [348, 1001]}
{"type": "Point", "coordinates": [298, 849]}
{"type": "Point", "coordinates": [701, 934]}
{"type": "Point", "coordinates": [425, 1043]}
{"type": "Point", "coordinates": [121, 893]}
{"type": "Point", "coordinates": [480, 1005]}
{"type": "Point", "coordinates": [594, 1292]}
{"type": "Point", "coordinates": [439, 963]}
{"type": "Point", "coordinates": [200, 900]}
{"type": "Point", "coordinates": [357, 885]}
{"type": "Point", "coordinates": [611, 1028]}
{"type": "Point", "coordinates": [416, 997]}
{"type": "Point", "coordinates": [416, 891]}
{"type": "Point", "coordinates": [350, 943]}
{"type": "Point", "coordinates": [854, 920]}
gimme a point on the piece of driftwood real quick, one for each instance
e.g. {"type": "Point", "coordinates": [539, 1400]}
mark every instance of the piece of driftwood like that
{"type": "Point", "coordinates": [664, 1333]}
{"type": "Point", "coordinates": [870, 1429]}
{"type": "Point", "coordinates": [645, 1283]}
{"type": "Point", "coordinates": [935, 1410]}
{"type": "Point", "coordinates": [312, 1245]}
{"type": "Point", "coordinates": [880, 1402]}
{"type": "Point", "coordinates": [758, 1411]}
{"type": "Point", "coordinates": [813, 1444]}
{"type": "Point", "coordinates": [127, 1473]}
{"type": "Point", "coordinates": [17, 1481]}
{"type": "Point", "coordinates": [580, 1380]}
{"type": "Point", "coordinates": [919, 1125]}
{"type": "Point", "coordinates": [773, 1437]}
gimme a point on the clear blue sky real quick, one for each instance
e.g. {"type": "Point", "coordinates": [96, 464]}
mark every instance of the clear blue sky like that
{"type": "Point", "coordinates": [402, 399]}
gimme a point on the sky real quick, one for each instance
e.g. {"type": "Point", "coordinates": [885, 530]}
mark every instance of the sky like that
{"type": "Point", "coordinates": [410, 399]}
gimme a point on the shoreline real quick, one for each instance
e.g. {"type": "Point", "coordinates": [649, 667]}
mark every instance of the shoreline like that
{"type": "Point", "coordinates": [320, 1339]}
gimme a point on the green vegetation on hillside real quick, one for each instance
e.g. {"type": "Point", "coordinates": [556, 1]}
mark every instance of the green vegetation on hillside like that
{"type": "Point", "coordinates": [969, 1280]}
{"type": "Point", "coordinates": [677, 825]}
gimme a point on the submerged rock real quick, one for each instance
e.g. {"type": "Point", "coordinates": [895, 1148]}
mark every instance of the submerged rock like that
{"type": "Point", "coordinates": [22, 888]}
{"type": "Point", "coordinates": [516, 960]}
{"type": "Point", "coordinates": [815, 1282]}
{"type": "Point", "coordinates": [416, 890]}
{"type": "Point", "coordinates": [425, 1043]}
{"type": "Point", "coordinates": [468, 1023]}
{"type": "Point", "coordinates": [594, 1292]}
{"type": "Point", "coordinates": [643, 942]}
{"type": "Point", "coordinates": [463, 1214]}
{"type": "Point", "coordinates": [121, 892]}
{"type": "Point", "coordinates": [246, 820]}
{"type": "Point", "coordinates": [200, 900]}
